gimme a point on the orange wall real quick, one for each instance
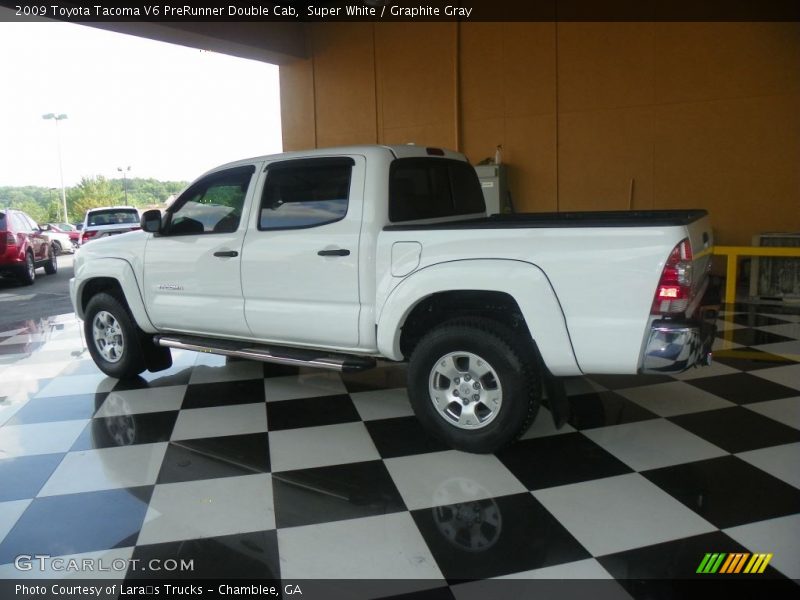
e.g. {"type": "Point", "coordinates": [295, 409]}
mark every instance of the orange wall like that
{"type": "Point", "coordinates": [591, 116]}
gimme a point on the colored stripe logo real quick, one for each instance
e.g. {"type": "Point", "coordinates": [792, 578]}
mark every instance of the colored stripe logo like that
{"type": "Point", "coordinates": [733, 563]}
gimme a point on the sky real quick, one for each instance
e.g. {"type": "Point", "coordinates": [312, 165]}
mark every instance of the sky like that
{"type": "Point", "coordinates": [169, 112]}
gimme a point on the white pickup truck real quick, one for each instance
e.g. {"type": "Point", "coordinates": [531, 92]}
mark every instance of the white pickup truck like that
{"type": "Point", "coordinates": [334, 258]}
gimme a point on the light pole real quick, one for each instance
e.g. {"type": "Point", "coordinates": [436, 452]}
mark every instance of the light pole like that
{"type": "Point", "coordinates": [125, 180]}
{"type": "Point", "coordinates": [57, 118]}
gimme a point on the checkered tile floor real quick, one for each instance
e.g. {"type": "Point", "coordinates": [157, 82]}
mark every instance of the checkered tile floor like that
{"type": "Point", "coordinates": [261, 471]}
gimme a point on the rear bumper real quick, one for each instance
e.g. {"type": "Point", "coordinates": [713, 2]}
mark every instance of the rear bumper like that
{"type": "Point", "coordinates": [675, 346]}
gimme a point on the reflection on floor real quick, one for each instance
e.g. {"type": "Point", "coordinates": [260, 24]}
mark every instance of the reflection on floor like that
{"type": "Point", "coordinates": [254, 470]}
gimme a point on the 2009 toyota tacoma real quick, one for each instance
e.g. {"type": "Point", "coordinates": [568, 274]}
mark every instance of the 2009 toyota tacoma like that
{"type": "Point", "coordinates": [337, 257]}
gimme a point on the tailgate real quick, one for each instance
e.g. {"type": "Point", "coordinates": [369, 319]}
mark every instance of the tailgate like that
{"type": "Point", "coordinates": [701, 239]}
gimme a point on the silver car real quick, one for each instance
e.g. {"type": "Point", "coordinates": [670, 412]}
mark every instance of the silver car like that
{"type": "Point", "coordinates": [112, 220]}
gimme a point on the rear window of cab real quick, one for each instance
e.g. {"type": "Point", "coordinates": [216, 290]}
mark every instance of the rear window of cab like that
{"type": "Point", "coordinates": [112, 217]}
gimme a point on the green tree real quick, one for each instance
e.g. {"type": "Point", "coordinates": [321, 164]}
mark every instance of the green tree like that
{"type": "Point", "coordinates": [92, 192]}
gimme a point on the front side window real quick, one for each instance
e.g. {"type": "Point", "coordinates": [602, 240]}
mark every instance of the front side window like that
{"type": "Point", "coordinates": [212, 205]}
{"type": "Point", "coordinates": [305, 193]}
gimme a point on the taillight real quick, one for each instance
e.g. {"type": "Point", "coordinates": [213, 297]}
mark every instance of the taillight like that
{"type": "Point", "coordinates": [87, 235]}
{"type": "Point", "coordinates": [11, 239]}
{"type": "Point", "coordinates": [674, 291]}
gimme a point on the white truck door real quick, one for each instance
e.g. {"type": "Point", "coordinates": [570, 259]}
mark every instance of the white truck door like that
{"type": "Point", "coordinates": [300, 255]}
{"type": "Point", "coordinates": [192, 270]}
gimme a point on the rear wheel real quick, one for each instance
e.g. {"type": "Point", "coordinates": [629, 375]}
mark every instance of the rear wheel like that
{"type": "Point", "coordinates": [113, 339]}
{"type": "Point", "coordinates": [56, 247]}
{"type": "Point", "coordinates": [474, 384]}
{"type": "Point", "coordinates": [51, 266]}
{"type": "Point", "coordinates": [28, 274]}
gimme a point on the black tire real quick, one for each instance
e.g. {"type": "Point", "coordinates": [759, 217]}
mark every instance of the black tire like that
{"type": "Point", "coordinates": [28, 273]}
{"type": "Point", "coordinates": [514, 372]}
{"type": "Point", "coordinates": [123, 357]}
{"type": "Point", "coordinates": [56, 247]}
{"type": "Point", "coordinates": [51, 266]}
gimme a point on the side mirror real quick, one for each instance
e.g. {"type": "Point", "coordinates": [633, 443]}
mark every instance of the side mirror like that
{"type": "Point", "coordinates": [151, 221]}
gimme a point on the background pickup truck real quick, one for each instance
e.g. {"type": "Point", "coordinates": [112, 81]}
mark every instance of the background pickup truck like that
{"type": "Point", "coordinates": [337, 257]}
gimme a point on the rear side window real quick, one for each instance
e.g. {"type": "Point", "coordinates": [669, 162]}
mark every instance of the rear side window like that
{"type": "Point", "coordinates": [305, 193]}
{"type": "Point", "coordinates": [427, 188]}
{"type": "Point", "coordinates": [113, 217]}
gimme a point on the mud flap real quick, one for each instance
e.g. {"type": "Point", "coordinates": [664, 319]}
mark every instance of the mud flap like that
{"type": "Point", "coordinates": [556, 400]}
{"type": "Point", "coordinates": [156, 358]}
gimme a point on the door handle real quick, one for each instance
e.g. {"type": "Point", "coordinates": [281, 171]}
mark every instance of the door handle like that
{"type": "Point", "coordinates": [338, 252]}
{"type": "Point", "coordinates": [226, 253]}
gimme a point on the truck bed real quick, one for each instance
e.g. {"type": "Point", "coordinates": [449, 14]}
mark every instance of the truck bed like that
{"type": "Point", "coordinates": [615, 218]}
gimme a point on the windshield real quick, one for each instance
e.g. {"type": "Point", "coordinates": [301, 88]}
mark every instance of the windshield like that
{"type": "Point", "coordinates": [113, 217]}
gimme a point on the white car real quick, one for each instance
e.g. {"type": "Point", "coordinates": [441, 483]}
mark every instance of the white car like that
{"type": "Point", "coordinates": [334, 258]}
{"type": "Point", "coordinates": [60, 241]}
{"type": "Point", "coordinates": [112, 220]}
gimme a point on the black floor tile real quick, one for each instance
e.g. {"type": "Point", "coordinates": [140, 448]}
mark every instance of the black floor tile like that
{"type": "Point", "coordinates": [737, 429]}
{"type": "Point", "coordinates": [311, 412]}
{"type": "Point", "coordinates": [382, 378]}
{"type": "Point", "coordinates": [59, 408]}
{"type": "Point", "coordinates": [22, 477]}
{"type": "Point", "coordinates": [743, 388]}
{"type": "Point", "coordinates": [669, 570]}
{"type": "Point", "coordinates": [559, 460]}
{"type": "Point", "coordinates": [275, 370]}
{"type": "Point", "coordinates": [241, 556]}
{"type": "Point", "coordinates": [495, 536]}
{"type": "Point", "coordinates": [209, 458]}
{"type": "Point", "coordinates": [154, 380]}
{"type": "Point", "coordinates": [619, 382]}
{"type": "Point", "coordinates": [402, 436]}
{"type": "Point", "coordinates": [205, 395]}
{"type": "Point", "coordinates": [758, 320]}
{"type": "Point", "coordinates": [750, 359]}
{"type": "Point", "coordinates": [600, 409]}
{"type": "Point", "coordinates": [438, 593]}
{"type": "Point", "coordinates": [752, 337]}
{"type": "Point", "coordinates": [727, 491]}
{"type": "Point", "coordinates": [124, 430]}
{"type": "Point", "coordinates": [324, 494]}
{"type": "Point", "coordinates": [75, 523]}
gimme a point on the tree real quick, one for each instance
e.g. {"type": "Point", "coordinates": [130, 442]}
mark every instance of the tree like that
{"type": "Point", "coordinates": [92, 192]}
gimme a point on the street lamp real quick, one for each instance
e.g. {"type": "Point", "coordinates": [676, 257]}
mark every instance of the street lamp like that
{"type": "Point", "coordinates": [125, 180]}
{"type": "Point", "coordinates": [57, 118]}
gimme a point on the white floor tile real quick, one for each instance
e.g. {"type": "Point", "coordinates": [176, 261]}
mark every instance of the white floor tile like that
{"type": "Point", "coordinates": [320, 446]}
{"type": "Point", "coordinates": [581, 569]}
{"type": "Point", "coordinates": [789, 350]}
{"type": "Point", "coordinates": [10, 512]}
{"type": "Point", "coordinates": [78, 384]}
{"type": "Point", "coordinates": [791, 330]}
{"type": "Point", "coordinates": [782, 462]}
{"type": "Point", "coordinates": [712, 370]}
{"type": "Point", "coordinates": [383, 547]}
{"type": "Point", "coordinates": [784, 410]}
{"type": "Point", "coordinates": [310, 385]}
{"type": "Point", "coordinates": [142, 401]}
{"type": "Point", "coordinates": [442, 478]}
{"type": "Point", "coordinates": [382, 404]}
{"type": "Point", "coordinates": [207, 508]}
{"type": "Point", "coordinates": [652, 444]}
{"type": "Point", "coordinates": [781, 537]}
{"type": "Point", "coordinates": [232, 371]}
{"type": "Point", "coordinates": [674, 398]}
{"type": "Point", "coordinates": [788, 375]}
{"type": "Point", "coordinates": [39, 438]}
{"type": "Point", "coordinates": [720, 344]}
{"type": "Point", "coordinates": [220, 420]}
{"type": "Point", "coordinates": [620, 513]}
{"type": "Point", "coordinates": [105, 469]}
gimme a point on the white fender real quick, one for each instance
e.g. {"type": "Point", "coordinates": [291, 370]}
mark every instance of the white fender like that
{"type": "Point", "coordinates": [113, 268]}
{"type": "Point", "coordinates": [523, 281]}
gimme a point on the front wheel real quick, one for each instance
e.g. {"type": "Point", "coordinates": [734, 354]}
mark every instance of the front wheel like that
{"type": "Point", "coordinates": [51, 266]}
{"type": "Point", "coordinates": [474, 384]}
{"type": "Point", "coordinates": [113, 339]}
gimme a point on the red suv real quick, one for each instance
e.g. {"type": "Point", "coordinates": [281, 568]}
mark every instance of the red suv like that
{"type": "Point", "coordinates": [23, 247]}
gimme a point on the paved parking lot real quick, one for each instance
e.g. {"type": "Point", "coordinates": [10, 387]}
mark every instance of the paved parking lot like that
{"type": "Point", "coordinates": [49, 295]}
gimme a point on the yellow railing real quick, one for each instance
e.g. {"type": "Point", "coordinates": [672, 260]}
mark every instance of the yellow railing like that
{"type": "Point", "coordinates": [734, 252]}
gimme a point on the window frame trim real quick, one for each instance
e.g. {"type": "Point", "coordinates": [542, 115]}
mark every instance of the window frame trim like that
{"type": "Point", "coordinates": [296, 163]}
